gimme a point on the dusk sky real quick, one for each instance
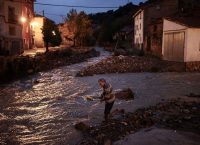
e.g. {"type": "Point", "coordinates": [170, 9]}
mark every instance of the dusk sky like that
{"type": "Point", "coordinates": [54, 12]}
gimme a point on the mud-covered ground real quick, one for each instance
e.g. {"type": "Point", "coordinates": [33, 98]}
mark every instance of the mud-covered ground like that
{"type": "Point", "coordinates": [177, 115]}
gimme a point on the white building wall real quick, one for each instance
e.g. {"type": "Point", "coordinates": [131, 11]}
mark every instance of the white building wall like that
{"type": "Point", "coordinates": [37, 25]}
{"type": "Point", "coordinates": [193, 45]}
{"type": "Point", "coordinates": [139, 29]}
{"type": "Point", "coordinates": [192, 39]}
{"type": "Point", "coordinates": [170, 27]}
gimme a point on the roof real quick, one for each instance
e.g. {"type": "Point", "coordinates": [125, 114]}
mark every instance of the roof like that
{"type": "Point", "coordinates": [189, 21]}
{"type": "Point", "coordinates": [140, 10]}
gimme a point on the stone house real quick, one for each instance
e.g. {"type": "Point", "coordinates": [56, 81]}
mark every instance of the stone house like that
{"type": "Point", "coordinates": [181, 39]}
{"type": "Point", "coordinates": [15, 29]}
{"type": "Point", "coordinates": [27, 33]}
{"type": "Point", "coordinates": [37, 25]}
{"type": "Point", "coordinates": [148, 24]}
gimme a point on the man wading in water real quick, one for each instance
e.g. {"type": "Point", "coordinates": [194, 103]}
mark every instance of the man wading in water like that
{"type": "Point", "coordinates": [107, 96]}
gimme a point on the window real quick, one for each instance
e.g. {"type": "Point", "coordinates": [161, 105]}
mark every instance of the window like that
{"type": "Point", "coordinates": [11, 14]}
{"type": "Point", "coordinates": [12, 30]}
{"type": "Point", "coordinates": [155, 28]}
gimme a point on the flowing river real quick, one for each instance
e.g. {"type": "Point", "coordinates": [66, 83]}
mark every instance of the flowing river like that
{"type": "Point", "coordinates": [45, 113]}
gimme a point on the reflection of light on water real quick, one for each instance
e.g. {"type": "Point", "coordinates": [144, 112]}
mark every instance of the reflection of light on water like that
{"type": "Point", "coordinates": [45, 112]}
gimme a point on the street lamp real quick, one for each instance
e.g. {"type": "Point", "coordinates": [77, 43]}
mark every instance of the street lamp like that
{"type": "Point", "coordinates": [23, 19]}
{"type": "Point", "coordinates": [54, 33]}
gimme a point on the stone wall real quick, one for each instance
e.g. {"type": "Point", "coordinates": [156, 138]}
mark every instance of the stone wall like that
{"type": "Point", "coordinates": [20, 66]}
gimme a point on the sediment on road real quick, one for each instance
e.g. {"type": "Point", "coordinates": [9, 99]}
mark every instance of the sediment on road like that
{"type": "Point", "coordinates": [183, 115]}
{"type": "Point", "coordinates": [126, 64]}
{"type": "Point", "coordinates": [21, 66]}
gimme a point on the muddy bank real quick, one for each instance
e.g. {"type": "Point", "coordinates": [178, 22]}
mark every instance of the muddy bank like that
{"type": "Point", "coordinates": [20, 66]}
{"type": "Point", "coordinates": [176, 115]}
{"type": "Point", "coordinates": [160, 136]}
{"type": "Point", "coordinates": [125, 64]}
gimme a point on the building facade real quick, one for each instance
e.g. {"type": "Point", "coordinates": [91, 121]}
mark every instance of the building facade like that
{"type": "Point", "coordinates": [181, 39]}
{"type": "Point", "coordinates": [15, 29]}
{"type": "Point", "coordinates": [37, 25]}
{"type": "Point", "coordinates": [139, 29]}
{"type": "Point", "coordinates": [151, 14]}
{"type": "Point", "coordinates": [28, 14]}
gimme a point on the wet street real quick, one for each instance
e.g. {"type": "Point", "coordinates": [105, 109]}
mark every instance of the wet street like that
{"type": "Point", "coordinates": [45, 113]}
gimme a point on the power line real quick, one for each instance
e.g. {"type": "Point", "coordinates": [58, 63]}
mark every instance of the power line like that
{"type": "Point", "coordinates": [73, 6]}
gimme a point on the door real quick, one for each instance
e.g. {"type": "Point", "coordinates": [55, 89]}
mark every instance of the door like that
{"type": "Point", "coordinates": [174, 46]}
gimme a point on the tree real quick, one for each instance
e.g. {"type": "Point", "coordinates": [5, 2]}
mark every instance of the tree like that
{"type": "Point", "coordinates": [80, 26]}
{"type": "Point", "coordinates": [57, 39]}
{"type": "Point", "coordinates": [84, 28]}
{"type": "Point", "coordinates": [51, 34]}
{"type": "Point", "coordinates": [71, 20]}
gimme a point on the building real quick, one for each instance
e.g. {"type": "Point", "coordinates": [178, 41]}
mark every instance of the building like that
{"type": "Point", "coordinates": [15, 29]}
{"type": "Point", "coordinates": [148, 23]}
{"type": "Point", "coordinates": [66, 34]}
{"type": "Point", "coordinates": [181, 39]}
{"type": "Point", "coordinates": [139, 29]}
{"type": "Point", "coordinates": [37, 25]}
{"type": "Point", "coordinates": [26, 19]}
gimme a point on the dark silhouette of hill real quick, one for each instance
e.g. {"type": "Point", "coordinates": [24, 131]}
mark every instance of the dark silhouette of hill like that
{"type": "Point", "coordinates": [106, 24]}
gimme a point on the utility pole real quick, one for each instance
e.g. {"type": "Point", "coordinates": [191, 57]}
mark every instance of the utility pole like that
{"type": "Point", "coordinates": [43, 13]}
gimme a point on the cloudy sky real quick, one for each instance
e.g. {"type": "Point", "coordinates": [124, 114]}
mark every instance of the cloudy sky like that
{"type": "Point", "coordinates": [55, 12]}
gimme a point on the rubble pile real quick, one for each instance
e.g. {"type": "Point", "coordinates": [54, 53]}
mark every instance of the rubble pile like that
{"type": "Point", "coordinates": [125, 64]}
{"type": "Point", "coordinates": [178, 115]}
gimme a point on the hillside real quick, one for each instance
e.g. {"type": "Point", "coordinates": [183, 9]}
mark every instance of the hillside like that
{"type": "Point", "coordinates": [106, 24]}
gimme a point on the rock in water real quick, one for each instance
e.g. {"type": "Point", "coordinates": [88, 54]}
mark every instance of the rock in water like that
{"type": "Point", "coordinates": [125, 94]}
{"type": "Point", "coordinates": [82, 127]}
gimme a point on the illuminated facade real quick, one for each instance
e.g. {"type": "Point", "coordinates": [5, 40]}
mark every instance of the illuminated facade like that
{"type": "Point", "coordinates": [37, 25]}
{"type": "Point", "coordinates": [15, 28]}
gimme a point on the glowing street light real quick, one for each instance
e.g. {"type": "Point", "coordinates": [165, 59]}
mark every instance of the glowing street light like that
{"type": "Point", "coordinates": [54, 33]}
{"type": "Point", "coordinates": [23, 19]}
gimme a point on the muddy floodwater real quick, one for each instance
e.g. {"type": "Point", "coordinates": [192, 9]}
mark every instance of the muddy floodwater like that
{"type": "Point", "coordinates": [45, 112]}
